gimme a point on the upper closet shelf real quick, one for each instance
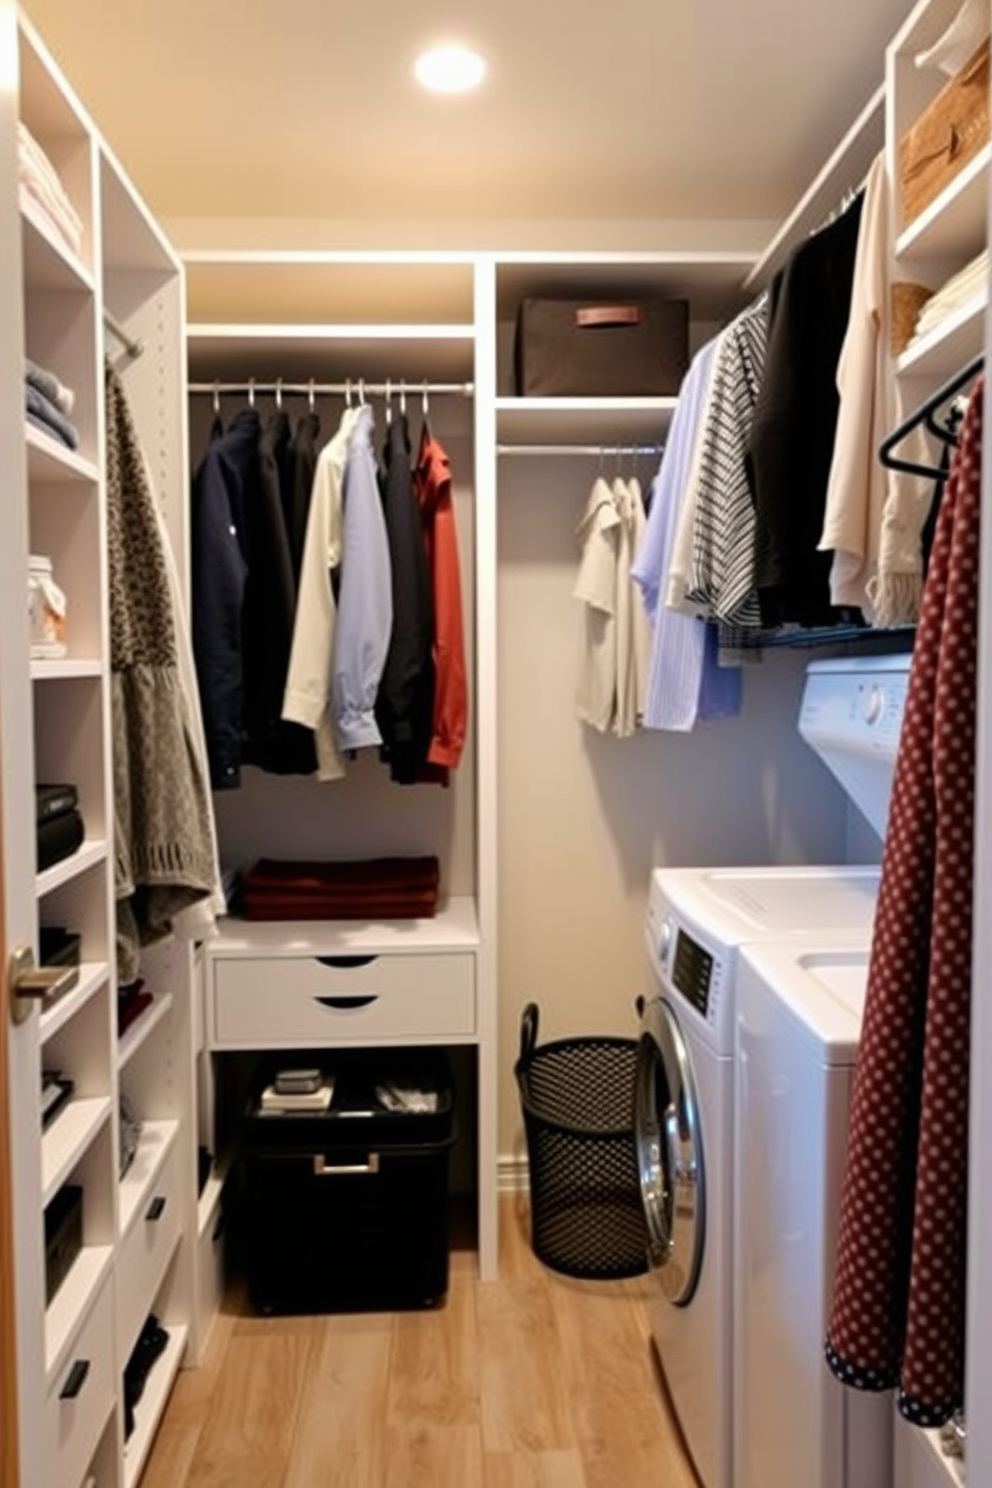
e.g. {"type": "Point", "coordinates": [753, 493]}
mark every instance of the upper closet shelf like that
{"type": "Point", "coordinates": [327, 353]}
{"type": "Point", "coordinates": [950, 345]}
{"type": "Point", "coordinates": [710, 281]}
{"type": "Point", "coordinates": [845, 170]}
{"type": "Point", "coordinates": [954, 225]}
{"type": "Point", "coordinates": [49, 263]}
{"type": "Point", "coordinates": [606, 421]}
{"type": "Point", "coordinates": [348, 288]}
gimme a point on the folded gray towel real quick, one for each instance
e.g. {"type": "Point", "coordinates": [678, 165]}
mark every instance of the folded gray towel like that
{"type": "Point", "coordinates": [42, 410]}
{"type": "Point", "coordinates": [49, 386]}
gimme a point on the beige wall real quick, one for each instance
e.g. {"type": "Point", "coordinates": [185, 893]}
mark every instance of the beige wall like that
{"type": "Point", "coordinates": [583, 817]}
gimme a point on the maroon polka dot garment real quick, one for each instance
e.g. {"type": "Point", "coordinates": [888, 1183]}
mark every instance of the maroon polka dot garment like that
{"type": "Point", "coordinates": [898, 1313]}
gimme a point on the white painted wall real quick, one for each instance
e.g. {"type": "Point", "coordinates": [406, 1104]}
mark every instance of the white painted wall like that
{"type": "Point", "coordinates": [584, 817]}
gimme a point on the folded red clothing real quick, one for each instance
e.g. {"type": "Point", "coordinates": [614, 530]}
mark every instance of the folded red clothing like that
{"type": "Point", "coordinates": [349, 878]}
{"type": "Point", "coordinates": [287, 907]}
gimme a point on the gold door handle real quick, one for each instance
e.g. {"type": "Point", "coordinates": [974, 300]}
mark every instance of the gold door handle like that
{"type": "Point", "coordinates": [30, 983]}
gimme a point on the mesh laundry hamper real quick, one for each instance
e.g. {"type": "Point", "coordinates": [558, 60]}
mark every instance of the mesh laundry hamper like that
{"type": "Point", "coordinates": [577, 1097]}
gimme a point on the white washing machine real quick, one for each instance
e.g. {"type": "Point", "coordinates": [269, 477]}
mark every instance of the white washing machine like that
{"type": "Point", "coordinates": [798, 1025]}
{"type": "Point", "coordinates": [696, 923]}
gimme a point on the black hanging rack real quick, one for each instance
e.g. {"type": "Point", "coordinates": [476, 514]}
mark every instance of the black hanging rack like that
{"type": "Point", "coordinates": [925, 414]}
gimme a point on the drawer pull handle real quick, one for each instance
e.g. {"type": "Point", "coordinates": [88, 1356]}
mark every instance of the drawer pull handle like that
{"type": "Point", "coordinates": [75, 1380]}
{"type": "Point", "coordinates": [155, 1209]}
{"type": "Point", "coordinates": [346, 1004]}
{"type": "Point", "coordinates": [346, 963]}
{"type": "Point", "coordinates": [323, 1169]}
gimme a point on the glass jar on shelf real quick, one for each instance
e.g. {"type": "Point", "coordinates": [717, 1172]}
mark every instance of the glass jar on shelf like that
{"type": "Point", "coordinates": [47, 608]}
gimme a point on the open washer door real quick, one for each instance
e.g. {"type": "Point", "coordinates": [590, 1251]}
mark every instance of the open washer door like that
{"type": "Point", "coordinates": [669, 1153]}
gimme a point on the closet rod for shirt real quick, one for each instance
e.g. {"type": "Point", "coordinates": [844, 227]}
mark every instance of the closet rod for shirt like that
{"type": "Point", "coordinates": [590, 451]}
{"type": "Point", "coordinates": [357, 387]}
{"type": "Point", "coordinates": [134, 349]}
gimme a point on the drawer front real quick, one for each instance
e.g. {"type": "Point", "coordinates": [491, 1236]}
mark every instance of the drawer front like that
{"type": "Point", "coordinates": [286, 1001]}
{"type": "Point", "coordinates": [82, 1397]}
{"type": "Point", "coordinates": [145, 1254]}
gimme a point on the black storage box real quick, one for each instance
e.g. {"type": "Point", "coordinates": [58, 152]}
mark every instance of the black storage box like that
{"type": "Point", "coordinates": [63, 1236]}
{"type": "Point", "coordinates": [347, 1210]}
{"type": "Point", "coordinates": [606, 349]}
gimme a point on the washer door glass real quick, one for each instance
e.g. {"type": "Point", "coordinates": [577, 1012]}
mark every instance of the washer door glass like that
{"type": "Point", "coordinates": [669, 1153]}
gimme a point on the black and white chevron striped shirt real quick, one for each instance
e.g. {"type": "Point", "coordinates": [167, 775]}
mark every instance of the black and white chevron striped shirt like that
{"type": "Point", "coordinates": [722, 576]}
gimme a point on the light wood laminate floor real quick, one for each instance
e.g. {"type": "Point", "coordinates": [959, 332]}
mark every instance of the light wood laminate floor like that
{"type": "Point", "coordinates": [531, 1381]}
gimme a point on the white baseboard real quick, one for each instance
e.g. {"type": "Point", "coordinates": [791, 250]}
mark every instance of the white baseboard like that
{"type": "Point", "coordinates": [512, 1174]}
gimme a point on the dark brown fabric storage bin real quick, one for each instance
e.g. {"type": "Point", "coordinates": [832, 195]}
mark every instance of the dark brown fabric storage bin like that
{"type": "Point", "coordinates": [601, 349]}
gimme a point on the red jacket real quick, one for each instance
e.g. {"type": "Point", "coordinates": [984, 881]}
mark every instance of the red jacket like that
{"type": "Point", "coordinates": [432, 483]}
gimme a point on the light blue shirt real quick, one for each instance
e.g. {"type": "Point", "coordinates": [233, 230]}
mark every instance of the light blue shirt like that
{"type": "Point", "coordinates": [685, 682]}
{"type": "Point", "coordinates": [365, 599]}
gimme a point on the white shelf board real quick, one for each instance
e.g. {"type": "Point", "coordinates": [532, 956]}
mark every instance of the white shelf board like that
{"type": "Point", "coordinates": [92, 976]}
{"type": "Point", "coordinates": [206, 1204]}
{"type": "Point", "coordinates": [607, 421]}
{"type": "Point", "coordinates": [53, 462]}
{"type": "Point", "coordinates": [154, 1144]}
{"type": "Point", "coordinates": [143, 1026]}
{"type": "Point", "coordinates": [67, 1309]}
{"type": "Point", "coordinates": [954, 225]}
{"type": "Point", "coordinates": [151, 1407]}
{"type": "Point", "coordinates": [454, 927]}
{"type": "Point", "coordinates": [43, 670]}
{"type": "Point", "coordinates": [710, 280]}
{"type": "Point", "coordinates": [950, 345]}
{"type": "Point", "coordinates": [87, 856]}
{"type": "Point", "coordinates": [49, 262]}
{"type": "Point", "coordinates": [329, 353]}
{"type": "Point", "coordinates": [67, 1139]}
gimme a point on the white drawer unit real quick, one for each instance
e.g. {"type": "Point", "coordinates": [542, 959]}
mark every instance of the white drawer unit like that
{"type": "Point", "coordinates": [209, 1273]}
{"type": "Point", "coordinates": [280, 1002]}
{"type": "Point", "coordinates": [146, 1251]}
{"type": "Point", "coordinates": [82, 1396]}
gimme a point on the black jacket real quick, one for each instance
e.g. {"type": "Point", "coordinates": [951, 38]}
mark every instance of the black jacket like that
{"type": "Point", "coordinates": [404, 706]}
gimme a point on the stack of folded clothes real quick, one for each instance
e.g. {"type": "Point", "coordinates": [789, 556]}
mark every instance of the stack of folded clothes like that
{"type": "Point", "coordinates": [48, 403]}
{"type": "Point", "coordinates": [38, 179]}
{"type": "Point", "coordinates": [60, 828]}
{"type": "Point", "coordinates": [372, 889]}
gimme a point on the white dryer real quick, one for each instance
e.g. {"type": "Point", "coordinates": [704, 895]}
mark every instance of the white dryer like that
{"type": "Point", "coordinates": [798, 1024]}
{"type": "Point", "coordinates": [696, 923]}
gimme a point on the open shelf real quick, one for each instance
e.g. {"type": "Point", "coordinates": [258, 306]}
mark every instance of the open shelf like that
{"type": "Point", "coordinates": [142, 1027]}
{"type": "Point", "coordinates": [71, 1302]}
{"type": "Point", "coordinates": [44, 670]}
{"type": "Point", "coordinates": [51, 461]}
{"type": "Point", "coordinates": [454, 927]}
{"type": "Point", "coordinates": [154, 1146]}
{"type": "Point", "coordinates": [87, 856]}
{"type": "Point", "coordinates": [150, 1408]}
{"type": "Point", "coordinates": [68, 1138]}
{"type": "Point", "coordinates": [49, 262]}
{"type": "Point", "coordinates": [950, 345]}
{"type": "Point", "coordinates": [606, 421]}
{"type": "Point", "coordinates": [92, 976]}
{"type": "Point", "coordinates": [954, 225]}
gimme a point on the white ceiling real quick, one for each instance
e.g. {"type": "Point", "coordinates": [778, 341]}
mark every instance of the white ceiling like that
{"type": "Point", "coordinates": [617, 109]}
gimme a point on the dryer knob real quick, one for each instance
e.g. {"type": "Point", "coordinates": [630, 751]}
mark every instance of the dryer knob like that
{"type": "Point", "coordinates": [874, 705]}
{"type": "Point", "coordinates": [664, 941]}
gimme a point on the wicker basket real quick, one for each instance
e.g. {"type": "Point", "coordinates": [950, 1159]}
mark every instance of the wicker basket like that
{"type": "Point", "coordinates": [950, 132]}
{"type": "Point", "coordinates": [907, 302]}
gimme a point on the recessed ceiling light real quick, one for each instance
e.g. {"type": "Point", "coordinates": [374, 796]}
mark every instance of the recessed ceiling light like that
{"type": "Point", "coordinates": [450, 69]}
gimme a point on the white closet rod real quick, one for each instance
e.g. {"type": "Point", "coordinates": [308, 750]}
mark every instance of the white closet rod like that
{"type": "Point", "coordinates": [356, 386]}
{"type": "Point", "coordinates": [590, 451]}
